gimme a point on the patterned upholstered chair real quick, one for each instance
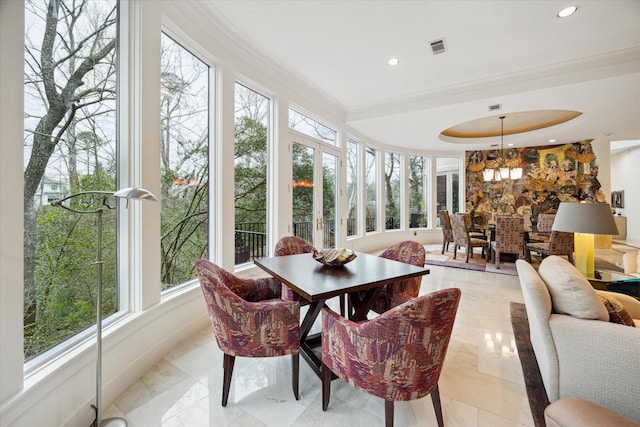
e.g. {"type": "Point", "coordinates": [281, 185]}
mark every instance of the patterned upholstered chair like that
{"type": "Point", "coordinates": [447, 233]}
{"type": "Point", "coordinates": [560, 243]}
{"type": "Point", "coordinates": [396, 356]}
{"type": "Point", "coordinates": [394, 294]}
{"type": "Point", "coordinates": [543, 228]}
{"type": "Point", "coordinates": [249, 319]}
{"type": "Point", "coordinates": [292, 245]}
{"type": "Point", "coordinates": [509, 237]}
{"type": "Point", "coordinates": [461, 237]}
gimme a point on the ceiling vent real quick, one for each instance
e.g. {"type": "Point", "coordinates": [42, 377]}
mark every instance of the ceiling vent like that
{"type": "Point", "coordinates": [495, 107]}
{"type": "Point", "coordinates": [438, 47]}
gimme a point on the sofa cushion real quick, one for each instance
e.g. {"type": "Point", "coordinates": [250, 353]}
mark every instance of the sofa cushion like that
{"type": "Point", "coordinates": [637, 264]}
{"type": "Point", "coordinates": [617, 313]}
{"type": "Point", "coordinates": [571, 293]}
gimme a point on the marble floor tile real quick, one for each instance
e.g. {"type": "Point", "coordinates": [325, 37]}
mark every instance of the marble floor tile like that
{"type": "Point", "coordinates": [481, 382]}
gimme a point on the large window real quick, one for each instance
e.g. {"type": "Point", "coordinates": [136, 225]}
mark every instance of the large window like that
{"type": "Point", "coordinates": [418, 191]}
{"type": "Point", "coordinates": [353, 202]}
{"type": "Point", "coordinates": [371, 189]}
{"type": "Point", "coordinates": [69, 147]}
{"type": "Point", "coordinates": [392, 182]}
{"type": "Point", "coordinates": [252, 121]}
{"type": "Point", "coordinates": [184, 163]}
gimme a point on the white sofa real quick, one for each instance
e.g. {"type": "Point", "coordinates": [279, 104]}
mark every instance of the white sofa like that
{"type": "Point", "coordinates": [631, 264]}
{"type": "Point", "coordinates": [578, 355]}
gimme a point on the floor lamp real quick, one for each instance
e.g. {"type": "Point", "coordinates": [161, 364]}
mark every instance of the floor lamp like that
{"type": "Point", "coordinates": [585, 220]}
{"type": "Point", "coordinates": [128, 194]}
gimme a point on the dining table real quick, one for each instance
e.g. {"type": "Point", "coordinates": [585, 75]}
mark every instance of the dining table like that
{"type": "Point", "coordinates": [316, 283]}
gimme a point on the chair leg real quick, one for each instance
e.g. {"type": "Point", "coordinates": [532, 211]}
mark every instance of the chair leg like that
{"type": "Point", "coordinates": [295, 374]}
{"type": "Point", "coordinates": [388, 413]}
{"type": "Point", "coordinates": [435, 398]}
{"type": "Point", "coordinates": [497, 259]}
{"type": "Point", "coordinates": [444, 244]}
{"type": "Point", "coordinates": [455, 250]}
{"type": "Point", "coordinates": [468, 249]}
{"type": "Point", "coordinates": [342, 306]}
{"type": "Point", "coordinates": [227, 363]}
{"type": "Point", "coordinates": [326, 386]}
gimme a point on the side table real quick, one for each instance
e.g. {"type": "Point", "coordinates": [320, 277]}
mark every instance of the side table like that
{"type": "Point", "coordinates": [615, 281]}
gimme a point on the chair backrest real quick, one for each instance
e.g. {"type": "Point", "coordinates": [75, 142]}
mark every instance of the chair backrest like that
{"type": "Point", "coordinates": [545, 222]}
{"type": "Point", "coordinates": [460, 231]}
{"type": "Point", "coordinates": [510, 234]}
{"type": "Point", "coordinates": [411, 364]}
{"type": "Point", "coordinates": [409, 252]}
{"type": "Point", "coordinates": [245, 312]}
{"type": "Point", "coordinates": [292, 245]}
{"type": "Point", "coordinates": [445, 224]}
{"type": "Point", "coordinates": [560, 243]}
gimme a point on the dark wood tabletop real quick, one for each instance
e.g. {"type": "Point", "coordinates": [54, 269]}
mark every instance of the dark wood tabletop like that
{"type": "Point", "coordinates": [314, 281]}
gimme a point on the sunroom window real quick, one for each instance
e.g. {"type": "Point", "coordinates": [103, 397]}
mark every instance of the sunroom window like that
{"type": "Point", "coordinates": [418, 191]}
{"type": "Point", "coordinates": [252, 128]}
{"type": "Point", "coordinates": [184, 161]}
{"type": "Point", "coordinates": [311, 127]}
{"type": "Point", "coordinates": [69, 147]}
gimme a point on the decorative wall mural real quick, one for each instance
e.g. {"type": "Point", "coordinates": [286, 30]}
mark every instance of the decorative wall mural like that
{"type": "Point", "coordinates": [551, 174]}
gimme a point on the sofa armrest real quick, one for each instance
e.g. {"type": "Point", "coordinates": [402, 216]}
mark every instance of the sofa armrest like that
{"type": "Point", "coordinates": [630, 262]}
{"type": "Point", "coordinates": [598, 362]}
{"type": "Point", "coordinates": [573, 412]}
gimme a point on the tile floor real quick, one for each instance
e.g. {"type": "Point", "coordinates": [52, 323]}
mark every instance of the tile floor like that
{"type": "Point", "coordinates": [481, 382]}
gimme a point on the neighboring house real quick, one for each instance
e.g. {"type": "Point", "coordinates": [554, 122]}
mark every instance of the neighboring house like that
{"type": "Point", "coordinates": [50, 190]}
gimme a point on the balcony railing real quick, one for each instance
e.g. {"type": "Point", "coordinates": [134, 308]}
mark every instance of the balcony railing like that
{"type": "Point", "coordinates": [251, 237]}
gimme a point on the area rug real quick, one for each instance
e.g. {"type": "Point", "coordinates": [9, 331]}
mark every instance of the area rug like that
{"type": "Point", "coordinates": [477, 263]}
{"type": "Point", "coordinates": [536, 393]}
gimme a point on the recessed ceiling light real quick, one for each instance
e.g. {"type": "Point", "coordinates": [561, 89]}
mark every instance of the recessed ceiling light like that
{"type": "Point", "coordinates": [567, 11]}
{"type": "Point", "coordinates": [393, 61]}
{"type": "Point", "coordinates": [552, 141]}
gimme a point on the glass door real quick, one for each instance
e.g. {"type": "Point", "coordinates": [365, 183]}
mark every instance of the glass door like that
{"type": "Point", "coordinates": [314, 191]}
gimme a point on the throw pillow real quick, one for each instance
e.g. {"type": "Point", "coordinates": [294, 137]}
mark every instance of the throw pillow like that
{"type": "Point", "coordinates": [571, 292]}
{"type": "Point", "coordinates": [617, 313]}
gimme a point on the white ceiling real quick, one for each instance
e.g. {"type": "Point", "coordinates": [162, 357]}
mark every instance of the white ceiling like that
{"type": "Point", "coordinates": [514, 53]}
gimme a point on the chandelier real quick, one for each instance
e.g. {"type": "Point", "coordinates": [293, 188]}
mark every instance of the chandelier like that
{"type": "Point", "coordinates": [501, 170]}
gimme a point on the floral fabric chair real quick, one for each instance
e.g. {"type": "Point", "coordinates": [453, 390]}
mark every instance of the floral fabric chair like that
{"type": "Point", "coordinates": [292, 245]}
{"type": "Point", "coordinates": [509, 237]}
{"type": "Point", "coordinates": [394, 294]}
{"type": "Point", "coordinates": [560, 243]}
{"type": "Point", "coordinates": [249, 319]}
{"type": "Point", "coordinates": [447, 232]}
{"type": "Point", "coordinates": [461, 237]}
{"type": "Point", "coordinates": [396, 356]}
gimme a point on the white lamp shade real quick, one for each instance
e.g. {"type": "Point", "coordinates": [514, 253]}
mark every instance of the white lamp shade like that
{"type": "Point", "coordinates": [504, 172]}
{"type": "Point", "coordinates": [135, 193]}
{"type": "Point", "coordinates": [516, 173]}
{"type": "Point", "coordinates": [589, 218]}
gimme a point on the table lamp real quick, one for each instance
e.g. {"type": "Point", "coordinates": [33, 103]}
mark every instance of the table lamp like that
{"type": "Point", "coordinates": [584, 220]}
{"type": "Point", "coordinates": [127, 194]}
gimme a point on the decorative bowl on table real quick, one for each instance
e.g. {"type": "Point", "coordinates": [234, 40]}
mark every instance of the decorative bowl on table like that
{"type": "Point", "coordinates": [334, 257]}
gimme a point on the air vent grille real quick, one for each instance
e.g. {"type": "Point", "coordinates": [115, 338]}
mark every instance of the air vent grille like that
{"type": "Point", "coordinates": [495, 107]}
{"type": "Point", "coordinates": [438, 46]}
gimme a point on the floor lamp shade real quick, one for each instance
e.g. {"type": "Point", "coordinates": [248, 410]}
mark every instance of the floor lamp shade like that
{"type": "Point", "coordinates": [585, 220]}
{"type": "Point", "coordinates": [128, 194]}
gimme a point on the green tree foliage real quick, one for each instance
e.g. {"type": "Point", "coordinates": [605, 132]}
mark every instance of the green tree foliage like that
{"type": "Point", "coordinates": [250, 171]}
